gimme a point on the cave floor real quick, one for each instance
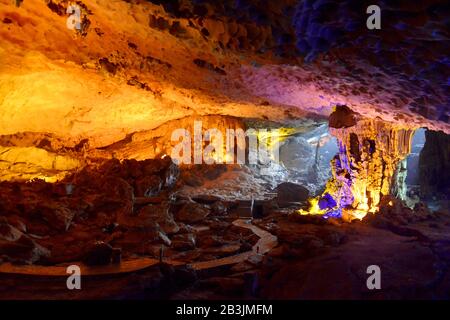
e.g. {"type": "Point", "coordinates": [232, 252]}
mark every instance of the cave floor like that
{"type": "Point", "coordinates": [104, 214]}
{"type": "Point", "coordinates": [413, 260]}
{"type": "Point", "coordinates": [315, 259]}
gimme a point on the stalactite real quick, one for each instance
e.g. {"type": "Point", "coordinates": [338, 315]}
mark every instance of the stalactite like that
{"type": "Point", "coordinates": [399, 182]}
{"type": "Point", "coordinates": [370, 151]}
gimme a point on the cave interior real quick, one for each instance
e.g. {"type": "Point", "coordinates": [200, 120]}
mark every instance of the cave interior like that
{"type": "Point", "coordinates": [236, 149]}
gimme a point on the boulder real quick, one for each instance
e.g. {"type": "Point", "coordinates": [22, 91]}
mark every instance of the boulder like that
{"type": "Point", "coordinates": [192, 213]}
{"type": "Point", "coordinates": [289, 193]}
{"type": "Point", "coordinates": [152, 214]}
{"type": "Point", "coordinates": [342, 117]}
{"type": "Point", "coordinates": [219, 209]}
{"type": "Point", "coordinates": [218, 225]}
{"type": "Point", "coordinates": [148, 186]}
{"type": "Point", "coordinates": [183, 241]}
{"type": "Point", "coordinates": [18, 223]}
{"type": "Point", "coordinates": [57, 216]}
{"type": "Point", "coordinates": [206, 240]}
{"type": "Point", "coordinates": [164, 168]}
{"type": "Point", "coordinates": [8, 232]}
{"type": "Point", "coordinates": [18, 247]}
{"type": "Point", "coordinates": [67, 247]}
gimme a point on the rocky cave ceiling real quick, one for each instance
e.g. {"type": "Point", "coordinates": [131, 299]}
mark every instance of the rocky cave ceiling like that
{"type": "Point", "coordinates": [136, 65]}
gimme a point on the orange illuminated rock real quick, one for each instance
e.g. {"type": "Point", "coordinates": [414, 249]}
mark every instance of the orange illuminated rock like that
{"type": "Point", "coordinates": [120, 75]}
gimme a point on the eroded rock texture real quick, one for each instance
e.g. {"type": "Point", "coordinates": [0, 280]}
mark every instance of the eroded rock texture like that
{"type": "Point", "coordinates": [56, 222]}
{"type": "Point", "coordinates": [370, 152]}
{"type": "Point", "coordinates": [135, 65]}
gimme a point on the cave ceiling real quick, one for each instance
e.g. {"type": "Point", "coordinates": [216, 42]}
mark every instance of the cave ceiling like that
{"type": "Point", "coordinates": [136, 65]}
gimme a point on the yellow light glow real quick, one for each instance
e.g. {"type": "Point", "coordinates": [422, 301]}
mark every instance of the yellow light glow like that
{"type": "Point", "coordinates": [272, 139]}
{"type": "Point", "coordinates": [313, 208]}
{"type": "Point", "coordinates": [28, 163]}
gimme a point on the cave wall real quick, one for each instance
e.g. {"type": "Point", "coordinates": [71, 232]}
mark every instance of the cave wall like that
{"type": "Point", "coordinates": [434, 165]}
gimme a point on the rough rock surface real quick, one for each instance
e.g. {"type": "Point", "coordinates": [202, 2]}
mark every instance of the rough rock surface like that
{"type": "Point", "coordinates": [289, 193]}
{"type": "Point", "coordinates": [317, 259]}
{"type": "Point", "coordinates": [58, 222]}
{"type": "Point", "coordinates": [98, 86]}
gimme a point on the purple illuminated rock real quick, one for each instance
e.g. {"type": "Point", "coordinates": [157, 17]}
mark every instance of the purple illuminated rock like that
{"type": "Point", "coordinates": [327, 202]}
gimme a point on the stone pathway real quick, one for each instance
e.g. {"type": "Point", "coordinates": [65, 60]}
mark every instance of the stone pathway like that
{"type": "Point", "coordinates": [266, 242]}
{"type": "Point", "coordinates": [60, 271]}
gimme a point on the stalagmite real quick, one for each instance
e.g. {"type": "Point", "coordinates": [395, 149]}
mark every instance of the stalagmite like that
{"type": "Point", "coordinates": [370, 150]}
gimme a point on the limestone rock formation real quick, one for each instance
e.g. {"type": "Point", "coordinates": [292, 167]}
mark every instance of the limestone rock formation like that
{"type": "Point", "coordinates": [289, 193]}
{"type": "Point", "coordinates": [370, 152]}
{"type": "Point", "coordinates": [92, 84]}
